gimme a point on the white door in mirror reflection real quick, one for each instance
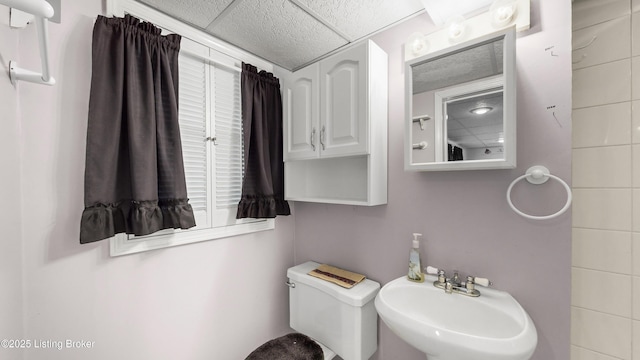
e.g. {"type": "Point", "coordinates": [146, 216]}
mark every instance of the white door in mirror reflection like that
{"type": "Point", "coordinates": [474, 128]}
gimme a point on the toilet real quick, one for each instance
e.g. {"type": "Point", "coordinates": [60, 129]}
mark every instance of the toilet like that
{"type": "Point", "coordinates": [342, 321]}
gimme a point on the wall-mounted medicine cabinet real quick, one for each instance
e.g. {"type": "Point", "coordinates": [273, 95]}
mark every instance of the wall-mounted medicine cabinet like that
{"type": "Point", "coordinates": [461, 106]}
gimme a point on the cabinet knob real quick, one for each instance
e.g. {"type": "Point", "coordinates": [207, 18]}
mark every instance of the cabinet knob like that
{"type": "Point", "coordinates": [312, 138]}
{"type": "Point", "coordinates": [322, 135]}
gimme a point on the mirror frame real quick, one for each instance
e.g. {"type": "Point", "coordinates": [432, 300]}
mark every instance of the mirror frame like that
{"type": "Point", "coordinates": [509, 111]}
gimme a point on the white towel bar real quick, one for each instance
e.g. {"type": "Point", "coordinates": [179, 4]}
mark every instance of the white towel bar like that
{"type": "Point", "coordinates": [42, 10]}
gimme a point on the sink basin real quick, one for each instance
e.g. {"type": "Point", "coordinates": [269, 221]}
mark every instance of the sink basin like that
{"type": "Point", "coordinates": [457, 327]}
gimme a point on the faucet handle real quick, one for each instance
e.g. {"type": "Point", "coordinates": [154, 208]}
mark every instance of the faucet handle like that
{"type": "Point", "coordinates": [431, 270]}
{"type": "Point", "coordinates": [482, 281]}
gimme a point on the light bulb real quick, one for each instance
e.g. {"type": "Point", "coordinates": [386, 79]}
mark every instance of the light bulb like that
{"type": "Point", "coordinates": [457, 29]}
{"type": "Point", "coordinates": [502, 12]}
{"type": "Point", "coordinates": [417, 43]}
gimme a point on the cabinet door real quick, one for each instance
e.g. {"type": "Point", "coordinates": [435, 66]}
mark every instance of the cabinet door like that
{"type": "Point", "coordinates": [343, 103]}
{"type": "Point", "coordinates": [301, 112]}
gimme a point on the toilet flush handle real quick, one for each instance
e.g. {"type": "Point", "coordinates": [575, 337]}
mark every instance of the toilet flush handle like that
{"type": "Point", "coordinates": [290, 284]}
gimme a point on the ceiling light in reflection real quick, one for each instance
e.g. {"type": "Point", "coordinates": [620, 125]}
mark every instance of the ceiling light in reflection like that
{"type": "Point", "coordinates": [481, 110]}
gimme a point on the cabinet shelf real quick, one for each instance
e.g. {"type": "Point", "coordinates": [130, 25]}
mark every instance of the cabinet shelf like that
{"type": "Point", "coordinates": [342, 180]}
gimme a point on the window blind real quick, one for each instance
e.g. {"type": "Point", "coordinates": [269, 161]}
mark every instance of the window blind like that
{"type": "Point", "coordinates": [225, 169]}
{"type": "Point", "coordinates": [228, 131]}
{"type": "Point", "coordinates": [192, 112]}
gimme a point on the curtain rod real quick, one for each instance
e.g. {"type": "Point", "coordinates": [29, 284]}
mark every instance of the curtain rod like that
{"type": "Point", "coordinates": [42, 10]}
{"type": "Point", "coordinates": [195, 54]}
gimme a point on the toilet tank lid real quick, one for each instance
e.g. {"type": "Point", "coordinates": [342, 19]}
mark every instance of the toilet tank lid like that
{"type": "Point", "coordinates": [358, 295]}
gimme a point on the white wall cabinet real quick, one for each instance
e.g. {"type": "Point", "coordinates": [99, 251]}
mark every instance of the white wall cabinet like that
{"type": "Point", "coordinates": [335, 125]}
{"type": "Point", "coordinates": [301, 101]}
{"type": "Point", "coordinates": [344, 101]}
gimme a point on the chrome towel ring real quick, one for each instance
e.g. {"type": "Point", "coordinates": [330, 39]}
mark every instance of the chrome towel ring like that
{"type": "Point", "coordinates": [539, 175]}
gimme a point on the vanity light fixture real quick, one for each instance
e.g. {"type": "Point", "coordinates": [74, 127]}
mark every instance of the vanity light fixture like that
{"type": "Point", "coordinates": [478, 18]}
{"type": "Point", "coordinates": [481, 110]}
{"type": "Point", "coordinates": [502, 12]}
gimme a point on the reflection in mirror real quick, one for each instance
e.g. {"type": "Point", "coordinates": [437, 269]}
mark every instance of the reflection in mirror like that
{"type": "Point", "coordinates": [473, 63]}
{"type": "Point", "coordinates": [473, 121]}
{"type": "Point", "coordinates": [474, 127]}
{"type": "Point", "coordinates": [467, 96]}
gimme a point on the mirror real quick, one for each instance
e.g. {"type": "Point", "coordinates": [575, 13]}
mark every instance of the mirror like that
{"type": "Point", "coordinates": [461, 106]}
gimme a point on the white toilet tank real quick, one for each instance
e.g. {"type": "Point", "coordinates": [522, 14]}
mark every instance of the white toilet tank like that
{"type": "Point", "coordinates": [344, 320]}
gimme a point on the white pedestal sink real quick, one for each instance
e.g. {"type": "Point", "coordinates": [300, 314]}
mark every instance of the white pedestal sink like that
{"type": "Point", "coordinates": [456, 327]}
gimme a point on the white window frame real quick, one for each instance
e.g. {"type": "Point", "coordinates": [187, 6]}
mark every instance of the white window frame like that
{"type": "Point", "coordinates": [123, 244]}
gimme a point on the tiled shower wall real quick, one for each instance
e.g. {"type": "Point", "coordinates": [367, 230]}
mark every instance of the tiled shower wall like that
{"type": "Point", "coordinates": [605, 313]}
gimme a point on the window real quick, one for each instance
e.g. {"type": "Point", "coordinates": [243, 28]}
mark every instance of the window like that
{"type": "Point", "coordinates": [211, 134]}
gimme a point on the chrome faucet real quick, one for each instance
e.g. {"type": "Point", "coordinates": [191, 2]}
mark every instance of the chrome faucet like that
{"type": "Point", "coordinates": [454, 285]}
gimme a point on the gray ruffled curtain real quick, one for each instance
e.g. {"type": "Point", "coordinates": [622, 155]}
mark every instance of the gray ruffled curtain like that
{"type": "Point", "coordinates": [263, 183]}
{"type": "Point", "coordinates": [134, 175]}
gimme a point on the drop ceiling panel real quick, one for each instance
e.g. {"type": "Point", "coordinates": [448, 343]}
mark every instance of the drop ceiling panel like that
{"type": "Point", "coordinates": [469, 142]}
{"type": "Point", "coordinates": [289, 33]}
{"type": "Point", "coordinates": [488, 132]}
{"type": "Point", "coordinates": [278, 31]}
{"type": "Point", "coordinates": [360, 18]}
{"type": "Point", "coordinates": [196, 12]}
{"type": "Point", "coordinates": [456, 131]}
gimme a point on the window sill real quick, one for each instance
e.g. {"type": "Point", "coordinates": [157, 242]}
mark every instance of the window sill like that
{"type": "Point", "coordinates": [123, 244]}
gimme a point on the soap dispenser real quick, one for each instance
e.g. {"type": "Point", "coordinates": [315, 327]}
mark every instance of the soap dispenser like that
{"type": "Point", "coordinates": [415, 269]}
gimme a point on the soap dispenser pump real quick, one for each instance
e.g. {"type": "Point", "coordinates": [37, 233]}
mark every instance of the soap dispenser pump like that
{"type": "Point", "coordinates": [415, 269]}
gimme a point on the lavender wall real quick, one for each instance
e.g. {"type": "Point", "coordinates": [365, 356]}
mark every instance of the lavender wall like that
{"type": "Point", "coordinates": [212, 300]}
{"type": "Point", "coordinates": [10, 221]}
{"type": "Point", "coordinates": [464, 216]}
